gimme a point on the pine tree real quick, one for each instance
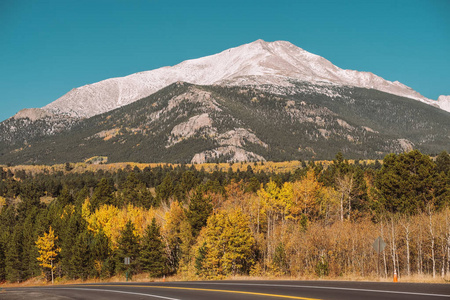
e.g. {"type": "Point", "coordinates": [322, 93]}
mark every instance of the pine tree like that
{"type": "Point", "coordinates": [30, 199]}
{"type": "Point", "coordinates": [165, 190]}
{"type": "Point", "coordinates": [29, 251]}
{"type": "Point", "coordinates": [443, 162]}
{"type": "Point", "coordinates": [103, 194]}
{"type": "Point", "coordinates": [200, 208]}
{"type": "Point", "coordinates": [280, 260]}
{"type": "Point", "coordinates": [3, 246]}
{"type": "Point", "coordinates": [130, 190]}
{"type": "Point", "coordinates": [13, 264]}
{"type": "Point", "coordinates": [101, 252]}
{"type": "Point", "coordinates": [128, 246]}
{"type": "Point", "coordinates": [65, 197]}
{"type": "Point", "coordinates": [74, 224]}
{"type": "Point", "coordinates": [135, 192]}
{"type": "Point", "coordinates": [81, 259]}
{"type": "Point", "coordinates": [407, 182]}
{"type": "Point", "coordinates": [200, 259]}
{"type": "Point", "coordinates": [153, 258]}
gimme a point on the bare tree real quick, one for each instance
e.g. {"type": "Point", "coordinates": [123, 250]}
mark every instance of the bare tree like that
{"type": "Point", "coordinates": [406, 224]}
{"type": "Point", "coordinates": [393, 244]}
{"type": "Point", "coordinates": [432, 237]}
{"type": "Point", "coordinates": [344, 184]}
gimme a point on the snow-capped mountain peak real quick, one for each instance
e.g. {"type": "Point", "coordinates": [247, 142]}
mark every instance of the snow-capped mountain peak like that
{"type": "Point", "coordinates": [265, 62]}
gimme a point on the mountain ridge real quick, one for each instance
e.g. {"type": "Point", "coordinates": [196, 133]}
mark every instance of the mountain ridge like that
{"type": "Point", "coordinates": [276, 62]}
{"type": "Point", "coordinates": [186, 123]}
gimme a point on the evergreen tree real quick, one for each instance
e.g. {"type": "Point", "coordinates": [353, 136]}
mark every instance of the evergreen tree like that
{"type": "Point", "coordinates": [165, 190]}
{"type": "Point", "coordinates": [81, 196]}
{"type": "Point", "coordinates": [29, 250]}
{"type": "Point", "coordinates": [200, 208]}
{"type": "Point", "coordinates": [82, 260]}
{"type": "Point", "coordinates": [128, 246]}
{"type": "Point", "coordinates": [443, 162]}
{"type": "Point", "coordinates": [130, 189]}
{"type": "Point", "coordinates": [74, 224]}
{"type": "Point", "coordinates": [153, 258]}
{"type": "Point", "coordinates": [13, 263]}
{"type": "Point", "coordinates": [101, 252]}
{"type": "Point", "coordinates": [188, 181]}
{"type": "Point", "coordinates": [65, 197]}
{"type": "Point", "coordinates": [4, 235]}
{"type": "Point", "coordinates": [280, 260]}
{"type": "Point", "coordinates": [30, 197]}
{"type": "Point", "coordinates": [103, 194]}
{"type": "Point", "coordinates": [135, 192]}
{"type": "Point", "coordinates": [407, 182]}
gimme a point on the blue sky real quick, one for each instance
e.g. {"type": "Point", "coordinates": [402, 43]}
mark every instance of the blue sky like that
{"type": "Point", "coordinates": [49, 47]}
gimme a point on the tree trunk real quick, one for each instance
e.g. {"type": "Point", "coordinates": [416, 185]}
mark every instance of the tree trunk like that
{"type": "Point", "coordinates": [448, 254]}
{"type": "Point", "coordinates": [443, 259]}
{"type": "Point", "coordinates": [407, 237]}
{"type": "Point", "coordinates": [447, 230]}
{"type": "Point", "coordinates": [433, 258]}
{"type": "Point", "coordinates": [384, 254]}
{"type": "Point", "coordinates": [52, 271]}
{"type": "Point", "coordinates": [394, 250]}
{"type": "Point", "coordinates": [259, 209]}
{"type": "Point", "coordinates": [349, 191]}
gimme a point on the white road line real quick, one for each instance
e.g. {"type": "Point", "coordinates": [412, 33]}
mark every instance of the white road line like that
{"type": "Point", "coordinates": [321, 287]}
{"type": "Point", "coordinates": [111, 291]}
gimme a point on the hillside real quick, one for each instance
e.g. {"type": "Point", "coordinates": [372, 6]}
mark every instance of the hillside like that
{"type": "Point", "coordinates": [187, 123]}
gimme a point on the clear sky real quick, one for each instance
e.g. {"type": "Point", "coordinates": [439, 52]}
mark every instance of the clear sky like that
{"type": "Point", "coordinates": [49, 47]}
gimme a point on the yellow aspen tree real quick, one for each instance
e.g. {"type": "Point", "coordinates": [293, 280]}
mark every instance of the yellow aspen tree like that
{"type": "Point", "coordinates": [111, 220]}
{"type": "Point", "coordinates": [306, 193]}
{"type": "Point", "coordinates": [47, 250]}
{"type": "Point", "coordinates": [2, 203]}
{"type": "Point", "coordinates": [275, 203]}
{"type": "Point", "coordinates": [177, 235]}
{"type": "Point", "coordinates": [228, 245]}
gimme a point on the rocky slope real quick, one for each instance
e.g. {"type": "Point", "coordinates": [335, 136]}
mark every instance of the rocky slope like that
{"type": "Point", "coordinates": [29, 125]}
{"type": "Point", "coordinates": [193, 124]}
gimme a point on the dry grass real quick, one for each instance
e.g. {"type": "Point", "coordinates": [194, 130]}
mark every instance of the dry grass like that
{"type": "Point", "coordinates": [143, 277]}
{"type": "Point", "coordinates": [412, 279]}
{"type": "Point", "coordinates": [277, 167]}
{"type": "Point", "coordinates": [40, 280]}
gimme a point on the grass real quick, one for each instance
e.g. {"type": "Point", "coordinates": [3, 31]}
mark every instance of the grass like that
{"type": "Point", "coordinates": [143, 277]}
{"type": "Point", "coordinates": [277, 167]}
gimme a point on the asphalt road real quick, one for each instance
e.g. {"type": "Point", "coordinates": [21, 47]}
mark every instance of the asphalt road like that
{"type": "Point", "coordinates": [245, 290]}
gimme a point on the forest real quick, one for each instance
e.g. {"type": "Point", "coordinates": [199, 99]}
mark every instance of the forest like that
{"type": "Point", "coordinates": [317, 221]}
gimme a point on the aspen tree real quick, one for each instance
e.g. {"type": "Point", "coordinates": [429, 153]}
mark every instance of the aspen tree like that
{"type": "Point", "coordinates": [48, 250]}
{"type": "Point", "coordinates": [228, 247]}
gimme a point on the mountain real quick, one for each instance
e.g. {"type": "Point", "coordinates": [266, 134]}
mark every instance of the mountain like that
{"type": "Point", "coordinates": [259, 101]}
{"type": "Point", "coordinates": [257, 63]}
{"type": "Point", "coordinates": [185, 123]}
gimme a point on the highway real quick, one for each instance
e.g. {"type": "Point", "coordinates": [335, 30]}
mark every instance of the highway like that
{"type": "Point", "coordinates": [233, 290]}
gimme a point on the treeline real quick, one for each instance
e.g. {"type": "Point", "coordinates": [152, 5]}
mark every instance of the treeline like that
{"type": "Point", "coordinates": [314, 221]}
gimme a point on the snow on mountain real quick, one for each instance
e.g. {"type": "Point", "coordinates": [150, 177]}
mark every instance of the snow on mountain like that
{"type": "Point", "coordinates": [444, 102]}
{"type": "Point", "coordinates": [267, 62]}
